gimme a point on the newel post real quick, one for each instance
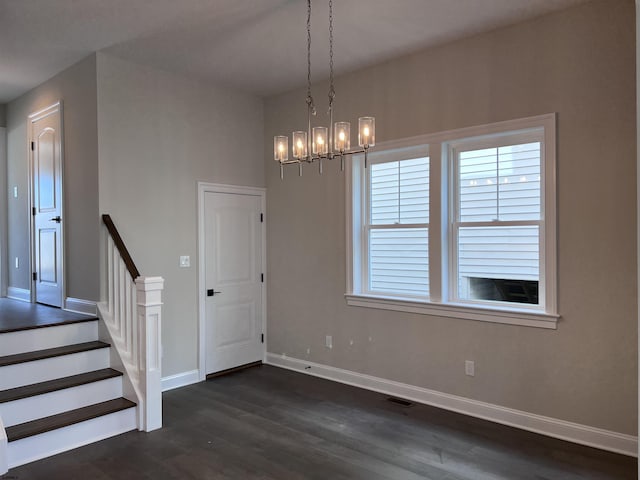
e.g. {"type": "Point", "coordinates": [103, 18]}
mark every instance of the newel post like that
{"type": "Point", "coordinates": [149, 309]}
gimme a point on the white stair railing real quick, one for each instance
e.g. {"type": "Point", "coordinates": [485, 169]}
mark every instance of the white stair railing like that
{"type": "Point", "coordinates": [132, 313]}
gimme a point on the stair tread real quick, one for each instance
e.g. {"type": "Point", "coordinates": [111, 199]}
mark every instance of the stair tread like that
{"type": "Point", "coordinates": [20, 324]}
{"type": "Point", "coordinates": [57, 384]}
{"type": "Point", "coordinates": [50, 352]}
{"type": "Point", "coordinates": [43, 425]}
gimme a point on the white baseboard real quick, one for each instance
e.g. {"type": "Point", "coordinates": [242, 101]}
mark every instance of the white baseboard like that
{"type": "Point", "coordinates": [180, 380]}
{"type": "Point", "coordinates": [552, 427]}
{"type": "Point", "coordinates": [80, 306]}
{"type": "Point", "coordinates": [21, 294]}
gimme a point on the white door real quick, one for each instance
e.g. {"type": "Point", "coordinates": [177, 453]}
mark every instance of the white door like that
{"type": "Point", "coordinates": [233, 280]}
{"type": "Point", "coordinates": [46, 188]}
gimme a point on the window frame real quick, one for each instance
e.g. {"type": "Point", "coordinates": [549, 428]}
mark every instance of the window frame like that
{"type": "Point", "coordinates": [441, 301]}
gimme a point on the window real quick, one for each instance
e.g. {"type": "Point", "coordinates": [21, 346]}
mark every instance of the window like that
{"type": "Point", "coordinates": [397, 226]}
{"type": "Point", "coordinates": [458, 224]}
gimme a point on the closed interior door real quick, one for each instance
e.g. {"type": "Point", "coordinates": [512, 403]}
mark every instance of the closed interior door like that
{"type": "Point", "coordinates": [233, 259]}
{"type": "Point", "coordinates": [46, 165]}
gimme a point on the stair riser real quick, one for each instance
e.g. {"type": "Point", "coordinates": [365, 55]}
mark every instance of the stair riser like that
{"type": "Point", "coordinates": [42, 338]}
{"type": "Point", "coordinates": [20, 374]}
{"type": "Point", "coordinates": [56, 441]}
{"type": "Point", "coordinates": [52, 403]}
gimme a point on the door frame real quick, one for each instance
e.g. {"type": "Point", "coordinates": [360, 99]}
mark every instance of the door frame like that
{"type": "Point", "coordinates": [34, 117]}
{"type": "Point", "coordinates": [204, 188]}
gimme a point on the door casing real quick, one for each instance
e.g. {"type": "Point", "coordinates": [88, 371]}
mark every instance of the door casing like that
{"type": "Point", "coordinates": [203, 188]}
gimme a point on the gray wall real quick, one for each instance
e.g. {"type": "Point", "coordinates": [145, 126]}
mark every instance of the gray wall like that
{"type": "Point", "coordinates": [76, 87]}
{"type": "Point", "coordinates": [159, 134]}
{"type": "Point", "coordinates": [3, 115]}
{"type": "Point", "coordinates": [579, 63]}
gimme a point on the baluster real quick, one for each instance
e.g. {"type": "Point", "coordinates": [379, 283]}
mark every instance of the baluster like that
{"type": "Point", "coordinates": [134, 325]}
{"type": "Point", "coordinates": [123, 299]}
{"type": "Point", "coordinates": [110, 248]}
{"type": "Point", "coordinates": [116, 290]}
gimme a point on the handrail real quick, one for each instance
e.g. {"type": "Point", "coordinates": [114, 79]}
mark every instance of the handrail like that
{"type": "Point", "coordinates": [119, 243]}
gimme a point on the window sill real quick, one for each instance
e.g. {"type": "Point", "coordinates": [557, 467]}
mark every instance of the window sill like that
{"type": "Point", "coordinates": [485, 314]}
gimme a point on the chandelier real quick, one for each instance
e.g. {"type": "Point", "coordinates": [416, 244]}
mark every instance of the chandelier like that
{"type": "Point", "coordinates": [322, 143]}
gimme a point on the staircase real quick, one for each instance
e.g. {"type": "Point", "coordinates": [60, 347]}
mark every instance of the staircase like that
{"type": "Point", "coordinates": [57, 391]}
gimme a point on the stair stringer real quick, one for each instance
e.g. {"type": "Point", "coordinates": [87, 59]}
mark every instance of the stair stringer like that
{"type": "Point", "coordinates": [119, 361]}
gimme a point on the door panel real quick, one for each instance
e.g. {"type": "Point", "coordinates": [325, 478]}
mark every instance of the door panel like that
{"type": "Point", "coordinates": [46, 185]}
{"type": "Point", "coordinates": [233, 259]}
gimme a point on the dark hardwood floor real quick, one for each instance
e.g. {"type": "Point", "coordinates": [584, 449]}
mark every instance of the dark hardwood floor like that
{"type": "Point", "coordinates": [268, 423]}
{"type": "Point", "coordinates": [16, 315]}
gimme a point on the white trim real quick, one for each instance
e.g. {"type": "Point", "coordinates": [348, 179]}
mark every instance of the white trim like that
{"type": "Point", "coordinates": [79, 305]}
{"type": "Point", "coordinates": [180, 380]}
{"type": "Point", "coordinates": [481, 313]}
{"type": "Point", "coordinates": [205, 187]}
{"type": "Point", "coordinates": [21, 294]}
{"type": "Point", "coordinates": [552, 427]}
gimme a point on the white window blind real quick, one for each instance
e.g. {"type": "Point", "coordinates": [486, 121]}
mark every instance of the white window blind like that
{"type": "Point", "coordinates": [398, 227]}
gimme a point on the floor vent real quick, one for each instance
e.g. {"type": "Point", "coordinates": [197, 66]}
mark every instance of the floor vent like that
{"type": "Point", "coordinates": [400, 401]}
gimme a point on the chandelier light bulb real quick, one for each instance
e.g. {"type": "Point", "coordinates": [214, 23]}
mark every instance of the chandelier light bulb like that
{"type": "Point", "coordinates": [299, 145]}
{"type": "Point", "coordinates": [280, 148]}
{"type": "Point", "coordinates": [319, 146]}
{"type": "Point", "coordinates": [367, 132]}
{"type": "Point", "coordinates": [341, 136]}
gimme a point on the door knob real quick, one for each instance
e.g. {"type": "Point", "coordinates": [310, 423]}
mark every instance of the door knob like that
{"type": "Point", "coordinates": [56, 219]}
{"type": "Point", "coordinates": [211, 292]}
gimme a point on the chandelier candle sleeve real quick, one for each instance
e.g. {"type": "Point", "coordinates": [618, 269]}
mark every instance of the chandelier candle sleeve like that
{"type": "Point", "coordinates": [280, 148]}
{"type": "Point", "coordinates": [342, 137]}
{"type": "Point", "coordinates": [366, 132]}
{"type": "Point", "coordinates": [299, 145]}
{"type": "Point", "coordinates": [319, 141]}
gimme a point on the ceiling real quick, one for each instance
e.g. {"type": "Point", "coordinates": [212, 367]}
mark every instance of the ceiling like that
{"type": "Point", "coordinates": [257, 46]}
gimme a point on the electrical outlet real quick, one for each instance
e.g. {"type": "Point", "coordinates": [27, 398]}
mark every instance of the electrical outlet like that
{"type": "Point", "coordinates": [15, 192]}
{"type": "Point", "coordinates": [470, 368]}
{"type": "Point", "coordinates": [328, 341]}
{"type": "Point", "coordinates": [351, 342]}
{"type": "Point", "coordinates": [185, 261]}
{"type": "Point", "coordinates": [308, 351]}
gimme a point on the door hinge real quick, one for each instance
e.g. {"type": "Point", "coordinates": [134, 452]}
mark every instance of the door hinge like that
{"type": "Point", "coordinates": [261, 217]}
{"type": "Point", "coordinates": [262, 338]}
{"type": "Point", "coordinates": [262, 277]}
{"type": "Point", "coordinates": [33, 210]}
{"type": "Point", "coordinates": [33, 146]}
{"type": "Point", "coordinates": [35, 276]}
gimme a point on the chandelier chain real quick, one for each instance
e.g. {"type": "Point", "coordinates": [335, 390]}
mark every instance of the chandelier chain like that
{"type": "Point", "coordinates": [332, 90]}
{"type": "Point", "coordinates": [310, 104]}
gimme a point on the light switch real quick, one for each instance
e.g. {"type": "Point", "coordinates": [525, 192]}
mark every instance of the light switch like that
{"type": "Point", "coordinates": [15, 192]}
{"type": "Point", "coordinates": [185, 261]}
